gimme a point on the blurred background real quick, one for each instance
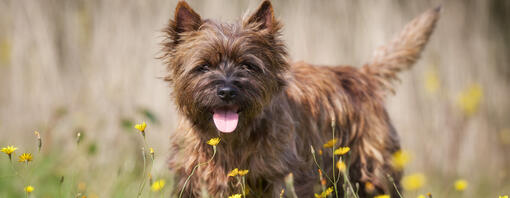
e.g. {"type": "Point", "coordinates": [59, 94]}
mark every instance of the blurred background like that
{"type": "Point", "coordinates": [91, 67]}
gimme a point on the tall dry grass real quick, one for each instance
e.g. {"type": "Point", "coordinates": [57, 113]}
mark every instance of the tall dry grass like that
{"type": "Point", "coordinates": [91, 67]}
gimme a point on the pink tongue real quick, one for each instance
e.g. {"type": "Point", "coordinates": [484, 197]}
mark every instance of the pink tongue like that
{"type": "Point", "coordinates": [225, 120]}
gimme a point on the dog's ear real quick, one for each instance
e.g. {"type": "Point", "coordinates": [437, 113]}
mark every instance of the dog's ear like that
{"type": "Point", "coordinates": [185, 20]}
{"type": "Point", "coordinates": [263, 18]}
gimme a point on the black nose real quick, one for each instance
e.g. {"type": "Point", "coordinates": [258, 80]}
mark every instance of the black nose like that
{"type": "Point", "coordinates": [227, 92]}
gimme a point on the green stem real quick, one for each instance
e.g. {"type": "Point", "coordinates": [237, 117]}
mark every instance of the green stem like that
{"type": "Point", "coordinates": [193, 171]}
{"type": "Point", "coordinates": [395, 186]}
{"type": "Point", "coordinates": [346, 178]}
{"type": "Point", "coordinates": [19, 175]}
{"type": "Point", "coordinates": [244, 187]}
{"type": "Point", "coordinates": [398, 192]}
{"type": "Point", "coordinates": [333, 154]}
{"type": "Point", "coordinates": [142, 185]}
{"type": "Point", "coordinates": [146, 147]}
{"type": "Point", "coordinates": [315, 160]}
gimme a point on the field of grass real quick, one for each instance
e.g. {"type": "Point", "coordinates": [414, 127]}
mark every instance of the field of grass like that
{"type": "Point", "coordinates": [90, 68]}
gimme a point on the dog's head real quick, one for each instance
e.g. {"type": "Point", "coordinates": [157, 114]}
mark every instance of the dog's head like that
{"type": "Point", "coordinates": [223, 75]}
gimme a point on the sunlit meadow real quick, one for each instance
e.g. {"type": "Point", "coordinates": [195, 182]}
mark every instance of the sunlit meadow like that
{"type": "Point", "coordinates": [84, 111]}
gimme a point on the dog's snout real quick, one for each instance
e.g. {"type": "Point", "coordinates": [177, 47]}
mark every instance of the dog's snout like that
{"type": "Point", "coordinates": [227, 92]}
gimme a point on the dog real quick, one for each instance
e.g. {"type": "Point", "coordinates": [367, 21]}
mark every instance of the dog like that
{"type": "Point", "coordinates": [236, 82]}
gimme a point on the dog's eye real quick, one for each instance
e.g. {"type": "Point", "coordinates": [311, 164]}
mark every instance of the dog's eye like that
{"type": "Point", "coordinates": [203, 68]}
{"type": "Point", "coordinates": [249, 66]}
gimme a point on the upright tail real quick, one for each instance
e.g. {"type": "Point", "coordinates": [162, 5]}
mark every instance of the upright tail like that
{"type": "Point", "coordinates": [403, 51]}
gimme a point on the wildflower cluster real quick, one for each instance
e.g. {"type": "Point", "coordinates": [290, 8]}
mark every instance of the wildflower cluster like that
{"type": "Point", "coordinates": [26, 158]}
{"type": "Point", "coordinates": [239, 174]}
{"type": "Point", "coordinates": [146, 152]}
{"type": "Point", "coordinates": [339, 164]}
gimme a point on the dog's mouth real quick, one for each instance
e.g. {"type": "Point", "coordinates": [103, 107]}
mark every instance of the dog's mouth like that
{"type": "Point", "coordinates": [226, 118]}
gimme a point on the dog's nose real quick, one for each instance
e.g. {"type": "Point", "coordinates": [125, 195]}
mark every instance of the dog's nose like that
{"type": "Point", "coordinates": [227, 92]}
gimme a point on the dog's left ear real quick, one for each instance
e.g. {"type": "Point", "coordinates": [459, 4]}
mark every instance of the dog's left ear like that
{"type": "Point", "coordinates": [263, 18]}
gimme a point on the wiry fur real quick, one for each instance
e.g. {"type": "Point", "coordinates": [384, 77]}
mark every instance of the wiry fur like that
{"type": "Point", "coordinates": [286, 107]}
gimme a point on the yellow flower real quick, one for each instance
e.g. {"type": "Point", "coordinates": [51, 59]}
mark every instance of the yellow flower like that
{"type": "Point", "coordinates": [29, 189]}
{"type": "Point", "coordinates": [432, 82]}
{"type": "Point", "coordinates": [243, 172]}
{"type": "Point", "coordinates": [469, 99]}
{"type": "Point", "coordinates": [504, 196]}
{"type": "Point", "coordinates": [421, 196]}
{"type": "Point", "coordinates": [330, 143]}
{"type": "Point", "coordinates": [341, 150]}
{"type": "Point", "coordinates": [341, 166]}
{"type": "Point", "coordinates": [460, 185]}
{"type": "Point", "coordinates": [9, 150]}
{"type": "Point", "coordinates": [369, 187]}
{"type": "Point", "coordinates": [235, 196]}
{"type": "Point", "coordinates": [325, 193]}
{"type": "Point", "coordinates": [233, 173]}
{"type": "Point", "coordinates": [25, 157]}
{"type": "Point", "coordinates": [414, 181]}
{"type": "Point", "coordinates": [151, 151]}
{"type": "Point", "coordinates": [213, 141]}
{"type": "Point", "coordinates": [158, 185]}
{"type": "Point", "coordinates": [382, 196]}
{"type": "Point", "coordinates": [400, 159]}
{"type": "Point", "coordinates": [141, 127]}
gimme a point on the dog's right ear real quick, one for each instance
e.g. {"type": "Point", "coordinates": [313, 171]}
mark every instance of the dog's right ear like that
{"type": "Point", "coordinates": [263, 18]}
{"type": "Point", "coordinates": [185, 20]}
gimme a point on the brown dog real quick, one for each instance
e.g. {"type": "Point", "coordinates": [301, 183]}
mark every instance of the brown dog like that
{"type": "Point", "coordinates": [234, 81]}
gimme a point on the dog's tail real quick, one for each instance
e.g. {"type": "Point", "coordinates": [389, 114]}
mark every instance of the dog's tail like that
{"type": "Point", "coordinates": [403, 51]}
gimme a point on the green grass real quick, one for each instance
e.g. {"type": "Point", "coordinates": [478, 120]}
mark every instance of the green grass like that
{"type": "Point", "coordinates": [78, 171]}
